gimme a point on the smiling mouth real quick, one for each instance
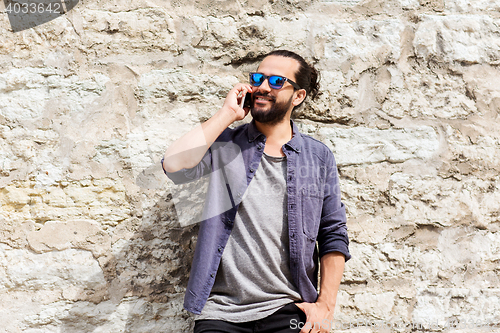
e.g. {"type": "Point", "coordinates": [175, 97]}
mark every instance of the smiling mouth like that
{"type": "Point", "coordinates": [263, 99]}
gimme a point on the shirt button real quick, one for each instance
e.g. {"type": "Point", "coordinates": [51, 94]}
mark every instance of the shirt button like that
{"type": "Point", "coordinates": [212, 275]}
{"type": "Point", "coordinates": [219, 249]}
{"type": "Point", "coordinates": [252, 169]}
{"type": "Point", "coordinates": [259, 147]}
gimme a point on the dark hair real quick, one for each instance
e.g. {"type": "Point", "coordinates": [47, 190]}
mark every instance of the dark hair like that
{"type": "Point", "coordinates": [307, 77]}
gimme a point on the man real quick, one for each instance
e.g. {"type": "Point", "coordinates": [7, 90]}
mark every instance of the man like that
{"type": "Point", "coordinates": [256, 263]}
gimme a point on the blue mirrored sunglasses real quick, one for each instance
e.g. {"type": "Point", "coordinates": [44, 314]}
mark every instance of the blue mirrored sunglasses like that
{"type": "Point", "coordinates": [275, 81]}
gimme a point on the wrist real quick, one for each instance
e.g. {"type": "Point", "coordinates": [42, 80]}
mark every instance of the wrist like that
{"type": "Point", "coordinates": [329, 302]}
{"type": "Point", "coordinates": [226, 116]}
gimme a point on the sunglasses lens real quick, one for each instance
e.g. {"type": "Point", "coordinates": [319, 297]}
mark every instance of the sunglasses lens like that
{"type": "Point", "coordinates": [276, 82]}
{"type": "Point", "coordinates": [256, 79]}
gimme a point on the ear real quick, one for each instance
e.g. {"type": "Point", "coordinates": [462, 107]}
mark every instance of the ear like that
{"type": "Point", "coordinates": [299, 96]}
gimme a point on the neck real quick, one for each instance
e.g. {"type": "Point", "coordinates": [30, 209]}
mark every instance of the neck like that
{"type": "Point", "coordinates": [276, 133]}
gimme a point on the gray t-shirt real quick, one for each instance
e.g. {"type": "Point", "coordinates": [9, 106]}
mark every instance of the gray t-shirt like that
{"type": "Point", "coordinates": [253, 279]}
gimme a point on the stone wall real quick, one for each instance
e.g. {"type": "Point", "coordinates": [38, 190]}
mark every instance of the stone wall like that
{"type": "Point", "coordinates": [410, 105]}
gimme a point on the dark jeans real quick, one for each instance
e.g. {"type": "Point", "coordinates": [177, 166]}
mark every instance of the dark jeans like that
{"type": "Point", "coordinates": [285, 320]}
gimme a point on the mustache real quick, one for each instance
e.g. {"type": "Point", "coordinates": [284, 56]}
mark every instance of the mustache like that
{"type": "Point", "coordinates": [257, 94]}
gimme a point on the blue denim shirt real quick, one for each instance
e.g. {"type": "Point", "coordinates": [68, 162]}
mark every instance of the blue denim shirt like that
{"type": "Point", "coordinates": [315, 211]}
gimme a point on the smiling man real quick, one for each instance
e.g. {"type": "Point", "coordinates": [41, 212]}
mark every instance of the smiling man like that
{"type": "Point", "coordinates": [255, 267]}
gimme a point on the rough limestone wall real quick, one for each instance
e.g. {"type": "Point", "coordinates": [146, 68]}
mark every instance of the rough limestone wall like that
{"type": "Point", "coordinates": [89, 238]}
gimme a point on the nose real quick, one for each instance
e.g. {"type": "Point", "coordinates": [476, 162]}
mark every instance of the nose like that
{"type": "Point", "coordinates": [264, 86]}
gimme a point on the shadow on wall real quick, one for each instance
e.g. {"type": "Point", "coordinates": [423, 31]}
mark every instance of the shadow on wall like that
{"type": "Point", "coordinates": [145, 276]}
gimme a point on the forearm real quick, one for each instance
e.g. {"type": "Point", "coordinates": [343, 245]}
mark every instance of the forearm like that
{"type": "Point", "coordinates": [332, 268]}
{"type": "Point", "coordinates": [331, 271]}
{"type": "Point", "coordinates": [188, 151]}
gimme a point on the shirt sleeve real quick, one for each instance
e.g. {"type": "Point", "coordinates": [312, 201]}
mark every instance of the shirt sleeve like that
{"type": "Point", "coordinates": [332, 235]}
{"type": "Point", "coordinates": [183, 176]}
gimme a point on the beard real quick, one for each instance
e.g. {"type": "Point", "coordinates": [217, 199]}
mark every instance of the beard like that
{"type": "Point", "coordinates": [274, 115]}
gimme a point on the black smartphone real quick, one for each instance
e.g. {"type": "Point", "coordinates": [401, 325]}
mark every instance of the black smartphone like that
{"type": "Point", "coordinates": [247, 101]}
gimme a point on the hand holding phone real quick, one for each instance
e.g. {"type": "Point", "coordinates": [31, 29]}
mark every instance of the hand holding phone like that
{"type": "Point", "coordinates": [238, 102]}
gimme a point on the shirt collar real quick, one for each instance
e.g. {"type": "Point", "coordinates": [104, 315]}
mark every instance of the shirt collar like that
{"type": "Point", "coordinates": [295, 142]}
{"type": "Point", "coordinates": [253, 132]}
